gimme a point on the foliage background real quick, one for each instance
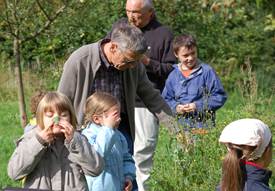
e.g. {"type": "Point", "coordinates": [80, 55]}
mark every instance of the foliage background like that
{"type": "Point", "coordinates": [236, 37]}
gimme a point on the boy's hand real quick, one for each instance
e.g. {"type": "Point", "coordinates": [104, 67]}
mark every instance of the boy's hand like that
{"type": "Point", "coordinates": [128, 185]}
{"type": "Point", "coordinates": [190, 107]}
{"type": "Point", "coordinates": [180, 109]}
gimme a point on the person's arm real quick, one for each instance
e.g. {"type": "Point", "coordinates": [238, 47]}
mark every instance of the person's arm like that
{"type": "Point", "coordinates": [150, 96]}
{"type": "Point", "coordinates": [129, 168]}
{"type": "Point", "coordinates": [84, 154]}
{"type": "Point", "coordinates": [214, 95]}
{"type": "Point", "coordinates": [68, 81]}
{"type": "Point", "coordinates": [152, 99]}
{"type": "Point", "coordinates": [168, 93]}
{"type": "Point", "coordinates": [28, 152]}
{"type": "Point", "coordinates": [105, 140]}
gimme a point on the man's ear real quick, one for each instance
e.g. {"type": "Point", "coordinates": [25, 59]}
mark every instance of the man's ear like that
{"type": "Point", "coordinates": [113, 47]}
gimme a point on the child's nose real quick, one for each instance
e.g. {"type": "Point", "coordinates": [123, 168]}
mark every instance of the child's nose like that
{"type": "Point", "coordinates": [56, 119]}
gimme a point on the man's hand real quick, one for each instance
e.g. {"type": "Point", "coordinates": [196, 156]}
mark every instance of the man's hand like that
{"type": "Point", "coordinates": [145, 60]}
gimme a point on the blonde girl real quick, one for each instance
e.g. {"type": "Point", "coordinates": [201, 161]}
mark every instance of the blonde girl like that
{"type": "Point", "coordinates": [102, 117]}
{"type": "Point", "coordinates": [54, 156]}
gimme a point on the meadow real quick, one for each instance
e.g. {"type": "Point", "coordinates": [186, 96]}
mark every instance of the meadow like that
{"type": "Point", "coordinates": [235, 37]}
{"type": "Point", "coordinates": [195, 169]}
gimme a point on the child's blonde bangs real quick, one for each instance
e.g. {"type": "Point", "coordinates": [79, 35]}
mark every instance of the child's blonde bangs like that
{"type": "Point", "coordinates": [52, 101]}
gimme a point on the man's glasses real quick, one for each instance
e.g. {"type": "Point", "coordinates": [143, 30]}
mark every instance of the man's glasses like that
{"type": "Point", "coordinates": [132, 62]}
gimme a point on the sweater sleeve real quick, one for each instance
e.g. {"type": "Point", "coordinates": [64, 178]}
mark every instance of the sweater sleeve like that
{"type": "Point", "coordinates": [168, 93]}
{"type": "Point", "coordinates": [129, 168]}
{"type": "Point", "coordinates": [105, 140]}
{"type": "Point", "coordinates": [150, 96]}
{"type": "Point", "coordinates": [26, 156]}
{"type": "Point", "coordinates": [68, 81]}
{"type": "Point", "coordinates": [82, 153]}
{"type": "Point", "coordinates": [214, 95]}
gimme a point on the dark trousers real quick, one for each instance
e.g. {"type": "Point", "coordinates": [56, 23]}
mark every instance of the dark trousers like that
{"type": "Point", "coordinates": [124, 128]}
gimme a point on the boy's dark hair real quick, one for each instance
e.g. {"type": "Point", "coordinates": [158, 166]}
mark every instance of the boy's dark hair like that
{"type": "Point", "coordinates": [35, 99]}
{"type": "Point", "coordinates": [184, 40]}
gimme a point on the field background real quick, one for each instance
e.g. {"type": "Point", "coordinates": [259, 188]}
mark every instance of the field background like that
{"type": "Point", "coordinates": [236, 37]}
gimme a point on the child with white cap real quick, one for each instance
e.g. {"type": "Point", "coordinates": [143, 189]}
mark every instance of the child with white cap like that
{"type": "Point", "coordinates": [249, 145]}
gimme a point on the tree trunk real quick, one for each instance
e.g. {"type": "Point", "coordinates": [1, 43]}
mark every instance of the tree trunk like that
{"type": "Point", "coordinates": [18, 76]}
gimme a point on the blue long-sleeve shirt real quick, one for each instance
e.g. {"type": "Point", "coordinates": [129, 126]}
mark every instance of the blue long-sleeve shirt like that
{"type": "Point", "coordinates": [203, 87]}
{"type": "Point", "coordinates": [119, 164]}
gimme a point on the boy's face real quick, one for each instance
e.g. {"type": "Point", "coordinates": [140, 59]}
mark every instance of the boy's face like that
{"type": "Point", "coordinates": [187, 56]}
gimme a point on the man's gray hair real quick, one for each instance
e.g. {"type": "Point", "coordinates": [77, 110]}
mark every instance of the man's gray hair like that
{"type": "Point", "coordinates": [129, 38]}
{"type": "Point", "coordinates": [148, 5]}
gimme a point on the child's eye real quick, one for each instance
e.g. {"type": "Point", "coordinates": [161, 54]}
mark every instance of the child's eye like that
{"type": "Point", "coordinates": [49, 114]}
{"type": "Point", "coordinates": [64, 114]}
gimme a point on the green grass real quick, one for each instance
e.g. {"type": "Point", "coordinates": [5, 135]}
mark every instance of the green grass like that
{"type": "Point", "coordinates": [10, 130]}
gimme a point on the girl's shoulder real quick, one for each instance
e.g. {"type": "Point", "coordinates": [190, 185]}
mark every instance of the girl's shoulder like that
{"type": "Point", "coordinates": [90, 128]}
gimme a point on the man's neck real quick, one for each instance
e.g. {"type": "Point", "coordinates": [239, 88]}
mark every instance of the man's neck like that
{"type": "Point", "coordinates": [106, 51]}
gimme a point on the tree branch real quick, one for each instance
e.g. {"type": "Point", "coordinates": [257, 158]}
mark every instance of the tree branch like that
{"type": "Point", "coordinates": [43, 10]}
{"type": "Point", "coordinates": [46, 25]}
{"type": "Point", "coordinates": [11, 31]}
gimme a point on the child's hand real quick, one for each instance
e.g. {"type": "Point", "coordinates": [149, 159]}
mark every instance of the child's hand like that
{"type": "Point", "coordinates": [190, 107]}
{"type": "Point", "coordinates": [180, 109]}
{"type": "Point", "coordinates": [67, 129]}
{"type": "Point", "coordinates": [46, 134]}
{"type": "Point", "coordinates": [111, 119]}
{"type": "Point", "coordinates": [128, 185]}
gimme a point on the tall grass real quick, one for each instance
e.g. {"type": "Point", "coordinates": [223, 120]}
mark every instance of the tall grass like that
{"type": "Point", "coordinates": [10, 131]}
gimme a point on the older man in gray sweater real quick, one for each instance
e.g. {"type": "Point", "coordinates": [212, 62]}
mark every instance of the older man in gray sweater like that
{"type": "Point", "coordinates": [112, 65]}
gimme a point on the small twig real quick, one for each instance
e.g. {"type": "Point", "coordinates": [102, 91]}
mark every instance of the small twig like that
{"type": "Point", "coordinates": [8, 21]}
{"type": "Point", "coordinates": [43, 10]}
{"type": "Point", "coordinates": [46, 25]}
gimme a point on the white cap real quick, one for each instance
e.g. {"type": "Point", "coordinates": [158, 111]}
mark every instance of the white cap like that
{"type": "Point", "coordinates": [251, 132]}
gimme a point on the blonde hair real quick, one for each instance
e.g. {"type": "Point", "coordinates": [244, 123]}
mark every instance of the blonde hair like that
{"type": "Point", "coordinates": [232, 173]}
{"type": "Point", "coordinates": [58, 101]}
{"type": "Point", "coordinates": [97, 104]}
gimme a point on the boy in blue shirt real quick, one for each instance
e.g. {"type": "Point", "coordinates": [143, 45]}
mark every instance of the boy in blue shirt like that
{"type": "Point", "coordinates": [193, 90]}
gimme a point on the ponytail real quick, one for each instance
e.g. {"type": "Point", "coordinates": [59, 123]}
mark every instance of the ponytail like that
{"type": "Point", "coordinates": [232, 175]}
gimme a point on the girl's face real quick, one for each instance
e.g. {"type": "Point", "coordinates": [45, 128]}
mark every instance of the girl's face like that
{"type": "Point", "coordinates": [52, 117]}
{"type": "Point", "coordinates": [109, 118]}
{"type": "Point", "coordinates": [187, 57]}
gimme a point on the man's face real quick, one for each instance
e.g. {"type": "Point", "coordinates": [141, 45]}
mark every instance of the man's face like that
{"type": "Point", "coordinates": [136, 15]}
{"type": "Point", "coordinates": [187, 56]}
{"type": "Point", "coordinates": [125, 60]}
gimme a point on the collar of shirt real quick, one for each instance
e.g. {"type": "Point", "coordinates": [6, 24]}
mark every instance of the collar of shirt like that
{"type": "Point", "coordinates": [102, 56]}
